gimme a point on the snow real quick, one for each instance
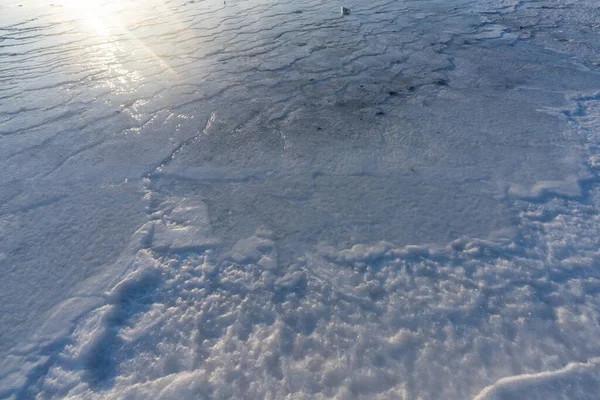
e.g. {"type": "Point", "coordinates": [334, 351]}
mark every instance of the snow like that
{"type": "Point", "coordinates": [576, 380]}
{"type": "Point", "coordinates": [257, 199]}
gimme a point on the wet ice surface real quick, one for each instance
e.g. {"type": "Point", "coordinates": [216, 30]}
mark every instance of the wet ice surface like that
{"type": "Point", "coordinates": [265, 199]}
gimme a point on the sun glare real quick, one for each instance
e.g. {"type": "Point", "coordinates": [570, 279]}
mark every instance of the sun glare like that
{"type": "Point", "coordinates": [103, 20]}
{"type": "Point", "coordinates": [95, 14]}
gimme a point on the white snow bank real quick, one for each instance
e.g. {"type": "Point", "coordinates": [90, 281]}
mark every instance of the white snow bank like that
{"type": "Point", "coordinates": [369, 321]}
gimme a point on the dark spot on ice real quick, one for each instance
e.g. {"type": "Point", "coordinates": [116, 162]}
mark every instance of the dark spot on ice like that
{"type": "Point", "coordinates": [441, 82]}
{"type": "Point", "coordinates": [380, 113]}
{"type": "Point", "coordinates": [319, 128]}
{"type": "Point", "coordinates": [298, 12]}
{"type": "Point", "coordinates": [393, 93]}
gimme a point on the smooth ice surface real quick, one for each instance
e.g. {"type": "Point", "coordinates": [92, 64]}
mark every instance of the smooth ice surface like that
{"type": "Point", "coordinates": [267, 199]}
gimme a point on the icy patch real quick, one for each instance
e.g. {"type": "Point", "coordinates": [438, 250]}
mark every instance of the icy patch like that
{"type": "Point", "coordinates": [184, 225]}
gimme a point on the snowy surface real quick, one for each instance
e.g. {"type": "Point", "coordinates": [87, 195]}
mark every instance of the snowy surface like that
{"type": "Point", "coordinates": [264, 199]}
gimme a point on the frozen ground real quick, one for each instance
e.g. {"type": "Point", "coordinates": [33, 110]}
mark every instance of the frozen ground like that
{"type": "Point", "coordinates": [262, 199]}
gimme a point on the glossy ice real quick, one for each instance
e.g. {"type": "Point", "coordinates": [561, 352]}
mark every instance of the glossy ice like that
{"type": "Point", "coordinates": [261, 199]}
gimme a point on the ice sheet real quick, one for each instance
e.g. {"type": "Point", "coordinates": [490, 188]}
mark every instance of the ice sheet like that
{"type": "Point", "coordinates": [255, 199]}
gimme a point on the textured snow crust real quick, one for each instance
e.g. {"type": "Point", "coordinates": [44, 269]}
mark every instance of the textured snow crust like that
{"type": "Point", "coordinates": [258, 199]}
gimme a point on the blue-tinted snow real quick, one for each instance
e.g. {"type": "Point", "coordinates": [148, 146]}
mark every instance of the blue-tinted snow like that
{"type": "Point", "coordinates": [261, 199]}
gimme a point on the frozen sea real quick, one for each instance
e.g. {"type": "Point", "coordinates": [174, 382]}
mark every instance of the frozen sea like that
{"type": "Point", "coordinates": [261, 199]}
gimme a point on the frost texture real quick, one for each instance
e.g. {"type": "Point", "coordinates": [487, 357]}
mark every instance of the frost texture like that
{"type": "Point", "coordinates": [258, 199]}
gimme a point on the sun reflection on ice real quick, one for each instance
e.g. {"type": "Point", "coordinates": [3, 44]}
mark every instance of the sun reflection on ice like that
{"type": "Point", "coordinates": [93, 13]}
{"type": "Point", "coordinates": [113, 44]}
